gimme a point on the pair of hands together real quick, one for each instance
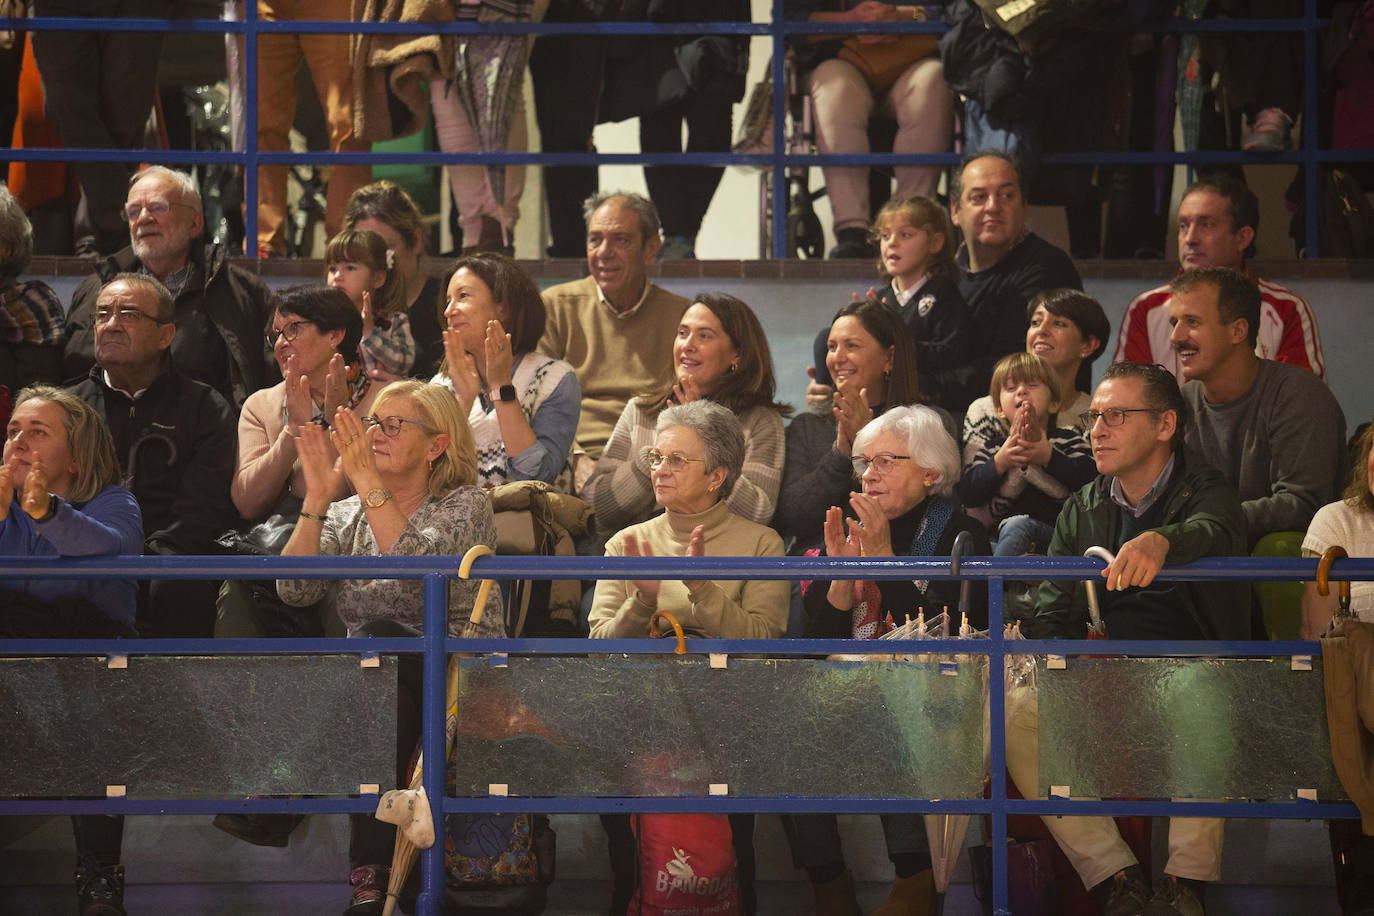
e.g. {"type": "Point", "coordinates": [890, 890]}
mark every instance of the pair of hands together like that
{"type": "Point", "coordinates": [462, 368]}
{"type": "Point", "coordinates": [34, 500]}
{"type": "Point", "coordinates": [329, 457]}
{"type": "Point", "coordinates": [1026, 445]}
{"type": "Point", "coordinates": [648, 588]}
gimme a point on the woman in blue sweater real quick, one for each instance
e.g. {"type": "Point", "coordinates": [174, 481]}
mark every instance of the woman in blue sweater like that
{"type": "Point", "coordinates": [59, 498]}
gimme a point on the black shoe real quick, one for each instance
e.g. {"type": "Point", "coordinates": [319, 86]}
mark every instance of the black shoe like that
{"type": "Point", "coordinates": [259, 829]}
{"type": "Point", "coordinates": [853, 242]}
{"type": "Point", "coordinates": [1125, 893]}
{"type": "Point", "coordinates": [100, 892]}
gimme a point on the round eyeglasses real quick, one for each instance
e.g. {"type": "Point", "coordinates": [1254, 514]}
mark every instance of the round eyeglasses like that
{"type": "Point", "coordinates": [675, 462]}
{"type": "Point", "coordinates": [289, 332]}
{"type": "Point", "coordinates": [391, 426]}
{"type": "Point", "coordinates": [883, 463]}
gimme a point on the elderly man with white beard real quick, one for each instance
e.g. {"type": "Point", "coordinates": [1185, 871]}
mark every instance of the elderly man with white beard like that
{"type": "Point", "coordinates": [221, 311]}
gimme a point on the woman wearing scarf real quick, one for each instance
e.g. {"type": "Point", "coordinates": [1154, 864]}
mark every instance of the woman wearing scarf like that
{"type": "Point", "coordinates": [908, 464]}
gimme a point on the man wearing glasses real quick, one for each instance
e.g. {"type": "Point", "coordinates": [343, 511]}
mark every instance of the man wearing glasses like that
{"type": "Point", "coordinates": [1156, 502]}
{"type": "Point", "coordinates": [220, 309]}
{"type": "Point", "coordinates": [175, 438]}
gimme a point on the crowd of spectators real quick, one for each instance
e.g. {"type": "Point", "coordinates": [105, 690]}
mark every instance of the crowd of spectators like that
{"type": "Point", "coordinates": [372, 415]}
{"type": "Point", "coordinates": [659, 412]}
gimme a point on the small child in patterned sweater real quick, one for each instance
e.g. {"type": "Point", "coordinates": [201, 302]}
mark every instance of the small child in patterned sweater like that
{"type": "Point", "coordinates": [1018, 481]}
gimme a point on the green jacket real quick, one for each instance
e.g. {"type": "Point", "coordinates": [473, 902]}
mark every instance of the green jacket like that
{"type": "Point", "coordinates": [1203, 518]}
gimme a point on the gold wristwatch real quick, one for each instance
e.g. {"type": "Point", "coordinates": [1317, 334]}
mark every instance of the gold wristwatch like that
{"type": "Point", "coordinates": [376, 498]}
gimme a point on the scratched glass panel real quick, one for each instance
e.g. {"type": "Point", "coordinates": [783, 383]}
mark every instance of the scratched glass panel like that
{"type": "Point", "coordinates": [1187, 727]}
{"type": "Point", "coordinates": [664, 726]}
{"type": "Point", "coordinates": [194, 726]}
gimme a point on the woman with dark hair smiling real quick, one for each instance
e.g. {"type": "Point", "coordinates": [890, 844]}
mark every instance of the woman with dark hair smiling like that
{"type": "Point", "coordinates": [870, 356]}
{"type": "Point", "coordinates": [720, 354]}
{"type": "Point", "coordinates": [523, 406]}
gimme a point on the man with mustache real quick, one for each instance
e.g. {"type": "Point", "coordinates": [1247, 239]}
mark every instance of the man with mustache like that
{"type": "Point", "coordinates": [1217, 221]}
{"type": "Point", "coordinates": [1274, 429]}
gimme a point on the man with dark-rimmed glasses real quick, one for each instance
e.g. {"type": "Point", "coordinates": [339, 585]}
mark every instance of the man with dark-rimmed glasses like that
{"type": "Point", "coordinates": [176, 441]}
{"type": "Point", "coordinates": [1155, 502]}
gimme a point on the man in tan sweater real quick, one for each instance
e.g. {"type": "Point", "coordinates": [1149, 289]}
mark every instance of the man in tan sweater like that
{"type": "Point", "coordinates": [614, 326]}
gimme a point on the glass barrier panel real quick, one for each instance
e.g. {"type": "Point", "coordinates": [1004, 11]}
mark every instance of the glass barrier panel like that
{"type": "Point", "coordinates": [1185, 727]}
{"type": "Point", "coordinates": [646, 726]}
{"type": "Point", "coordinates": [195, 726]}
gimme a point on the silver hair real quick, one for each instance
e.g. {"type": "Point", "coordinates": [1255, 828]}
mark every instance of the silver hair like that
{"type": "Point", "coordinates": [722, 437]}
{"type": "Point", "coordinates": [16, 238]}
{"type": "Point", "coordinates": [642, 207]}
{"type": "Point", "coordinates": [190, 194]}
{"type": "Point", "coordinates": [928, 442]}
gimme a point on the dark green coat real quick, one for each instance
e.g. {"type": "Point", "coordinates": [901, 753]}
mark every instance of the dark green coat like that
{"type": "Point", "coordinates": [1202, 518]}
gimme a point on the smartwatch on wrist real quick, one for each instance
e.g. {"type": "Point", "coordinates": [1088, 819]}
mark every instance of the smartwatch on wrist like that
{"type": "Point", "coordinates": [506, 393]}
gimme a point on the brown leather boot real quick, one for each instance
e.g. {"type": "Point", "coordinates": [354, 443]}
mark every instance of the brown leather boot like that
{"type": "Point", "coordinates": [909, 896]}
{"type": "Point", "coordinates": [836, 897]}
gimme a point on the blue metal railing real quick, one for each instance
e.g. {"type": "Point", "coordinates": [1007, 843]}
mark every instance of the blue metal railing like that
{"type": "Point", "coordinates": [435, 646]}
{"type": "Point", "coordinates": [778, 31]}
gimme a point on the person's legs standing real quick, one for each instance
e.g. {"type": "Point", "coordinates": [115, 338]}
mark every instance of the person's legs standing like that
{"type": "Point", "coordinates": [98, 90]}
{"type": "Point", "coordinates": [471, 184]}
{"type": "Point", "coordinates": [278, 58]}
{"type": "Point", "coordinates": [924, 109]}
{"type": "Point", "coordinates": [843, 104]}
{"type": "Point", "coordinates": [567, 74]}
{"type": "Point", "coordinates": [331, 68]}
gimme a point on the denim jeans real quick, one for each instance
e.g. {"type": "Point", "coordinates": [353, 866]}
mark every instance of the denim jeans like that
{"type": "Point", "coordinates": [1021, 534]}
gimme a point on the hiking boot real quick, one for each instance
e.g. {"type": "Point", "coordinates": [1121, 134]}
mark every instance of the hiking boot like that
{"type": "Point", "coordinates": [1177, 897]}
{"type": "Point", "coordinates": [1125, 893]}
{"type": "Point", "coordinates": [836, 896]}
{"type": "Point", "coordinates": [369, 890]}
{"type": "Point", "coordinates": [100, 891]}
{"type": "Point", "coordinates": [853, 242]}
{"type": "Point", "coordinates": [1269, 132]}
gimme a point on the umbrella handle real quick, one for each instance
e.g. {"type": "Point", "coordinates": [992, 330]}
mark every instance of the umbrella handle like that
{"type": "Point", "coordinates": [483, 590]}
{"type": "Point", "coordinates": [677, 629]}
{"type": "Point", "coordinates": [1332, 554]}
{"type": "Point", "coordinates": [962, 541]}
{"type": "Point", "coordinates": [1094, 611]}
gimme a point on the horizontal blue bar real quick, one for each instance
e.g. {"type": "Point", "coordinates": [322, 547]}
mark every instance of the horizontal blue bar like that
{"type": "Point", "coordinates": [322, 27]}
{"type": "Point", "coordinates": [543, 567]}
{"type": "Point", "coordinates": [1296, 810]}
{"type": "Point", "coordinates": [723, 158]}
{"type": "Point", "coordinates": [362, 804]}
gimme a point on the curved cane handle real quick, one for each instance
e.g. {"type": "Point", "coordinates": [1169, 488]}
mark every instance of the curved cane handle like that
{"type": "Point", "coordinates": [1094, 611]}
{"type": "Point", "coordinates": [1324, 571]}
{"type": "Point", "coordinates": [483, 590]}
{"type": "Point", "coordinates": [677, 628]}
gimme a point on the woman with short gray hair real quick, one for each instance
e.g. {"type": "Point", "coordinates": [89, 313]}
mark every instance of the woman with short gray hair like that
{"type": "Point", "coordinates": [32, 329]}
{"type": "Point", "coordinates": [695, 459]}
{"type": "Point", "coordinates": [907, 464]}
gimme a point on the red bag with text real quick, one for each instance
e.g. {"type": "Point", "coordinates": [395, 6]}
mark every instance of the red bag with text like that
{"type": "Point", "coordinates": [686, 866]}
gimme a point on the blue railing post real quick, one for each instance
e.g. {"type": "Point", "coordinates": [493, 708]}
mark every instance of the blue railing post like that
{"type": "Point", "coordinates": [432, 743]}
{"type": "Point", "coordinates": [997, 757]}
{"type": "Point", "coordinates": [778, 168]}
{"type": "Point", "coordinates": [250, 127]}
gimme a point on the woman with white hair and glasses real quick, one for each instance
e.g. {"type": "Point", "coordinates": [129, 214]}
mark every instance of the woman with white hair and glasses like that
{"type": "Point", "coordinates": [908, 464]}
{"type": "Point", "coordinates": [695, 460]}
